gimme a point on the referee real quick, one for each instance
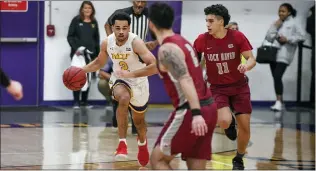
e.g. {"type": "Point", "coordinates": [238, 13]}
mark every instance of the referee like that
{"type": "Point", "coordinates": [13, 87]}
{"type": "Point", "coordinates": [139, 22]}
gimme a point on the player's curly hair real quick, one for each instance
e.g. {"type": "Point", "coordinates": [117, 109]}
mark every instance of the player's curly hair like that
{"type": "Point", "coordinates": [218, 10]}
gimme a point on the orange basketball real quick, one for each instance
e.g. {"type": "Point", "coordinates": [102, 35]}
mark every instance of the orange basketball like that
{"type": "Point", "coordinates": [74, 78]}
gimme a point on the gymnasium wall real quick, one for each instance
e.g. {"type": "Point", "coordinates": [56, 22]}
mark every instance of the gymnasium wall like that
{"type": "Point", "coordinates": [41, 71]}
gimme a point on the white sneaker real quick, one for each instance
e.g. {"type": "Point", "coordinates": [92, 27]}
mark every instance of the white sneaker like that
{"type": "Point", "coordinates": [277, 106]}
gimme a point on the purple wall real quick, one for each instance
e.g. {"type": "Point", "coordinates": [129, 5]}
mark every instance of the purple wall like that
{"type": "Point", "coordinates": [21, 60]}
{"type": "Point", "coordinates": [25, 61]}
{"type": "Point", "coordinates": [158, 94]}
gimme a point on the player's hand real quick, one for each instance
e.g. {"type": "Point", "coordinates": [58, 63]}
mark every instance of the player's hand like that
{"type": "Point", "coordinates": [123, 74]}
{"type": "Point", "coordinates": [282, 39]}
{"type": "Point", "coordinates": [242, 68]}
{"type": "Point", "coordinates": [15, 89]}
{"type": "Point", "coordinates": [278, 23]}
{"type": "Point", "coordinates": [199, 127]}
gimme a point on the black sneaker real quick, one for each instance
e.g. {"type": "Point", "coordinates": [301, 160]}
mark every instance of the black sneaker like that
{"type": "Point", "coordinates": [238, 164]}
{"type": "Point", "coordinates": [231, 131]}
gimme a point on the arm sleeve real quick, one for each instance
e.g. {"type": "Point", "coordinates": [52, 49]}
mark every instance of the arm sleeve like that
{"type": "Point", "coordinates": [297, 35]}
{"type": "Point", "coordinates": [199, 46]}
{"type": "Point", "coordinates": [272, 33]}
{"type": "Point", "coordinates": [97, 39]}
{"type": "Point", "coordinates": [71, 36]}
{"type": "Point", "coordinates": [4, 79]}
{"type": "Point", "coordinates": [243, 42]}
{"type": "Point", "coordinates": [108, 67]}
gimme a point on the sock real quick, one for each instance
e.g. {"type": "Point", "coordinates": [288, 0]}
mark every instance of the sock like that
{"type": "Point", "coordinates": [124, 140]}
{"type": "Point", "coordinates": [238, 155]}
{"type": "Point", "coordinates": [141, 144]}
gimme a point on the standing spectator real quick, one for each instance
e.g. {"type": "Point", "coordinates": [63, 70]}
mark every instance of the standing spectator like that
{"type": "Point", "coordinates": [285, 33]}
{"type": "Point", "coordinates": [84, 31]}
{"type": "Point", "coordinates": [310, 28]}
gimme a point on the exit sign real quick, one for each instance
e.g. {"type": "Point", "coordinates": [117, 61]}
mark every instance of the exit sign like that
{"type": "Point", "coordinates": [13, 6]}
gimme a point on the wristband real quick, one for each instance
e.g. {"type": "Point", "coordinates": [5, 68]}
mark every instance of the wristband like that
{"type": "Point", "coordinates": [195, 112]}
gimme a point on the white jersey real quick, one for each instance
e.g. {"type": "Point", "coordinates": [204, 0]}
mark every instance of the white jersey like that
{"type": "Point", "coordinates": [124, 58]}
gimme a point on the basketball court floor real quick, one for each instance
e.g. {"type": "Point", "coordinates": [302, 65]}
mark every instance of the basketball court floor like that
{"type": "Point", "coordinates": [63, 138]}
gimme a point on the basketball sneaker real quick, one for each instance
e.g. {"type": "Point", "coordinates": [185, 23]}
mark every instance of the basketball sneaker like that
{"type": "Point", "coordinates": [231, 131]}
{"type": "Point", "coordinates": [143, 154]}
{"type": "Point", "coordinates": [238, 164]}
{"type": "Point", "coordinates": [121, 152]}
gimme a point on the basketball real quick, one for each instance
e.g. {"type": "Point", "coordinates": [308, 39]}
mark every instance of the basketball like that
{"type": "Point", "coordinates": [74, 78]}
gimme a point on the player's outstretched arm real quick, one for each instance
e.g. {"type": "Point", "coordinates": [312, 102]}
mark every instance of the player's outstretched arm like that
{"type": "Point", "coordinates": [100, 61]}
{"type": "Point", "coordinates": [140, 48]}
{"type": "Point", "coordinates": [171, 59]}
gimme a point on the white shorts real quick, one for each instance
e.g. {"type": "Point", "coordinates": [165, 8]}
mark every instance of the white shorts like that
{"type": "Point", "coordinates": [139, 93]}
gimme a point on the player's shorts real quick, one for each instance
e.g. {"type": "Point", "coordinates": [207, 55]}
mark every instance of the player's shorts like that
{"type": "Point", "coordinates": [176, 137]}
{"type": "Point", "coordinates": [139, 93]}
{"type": "Point", "coordinates": [236, 95]}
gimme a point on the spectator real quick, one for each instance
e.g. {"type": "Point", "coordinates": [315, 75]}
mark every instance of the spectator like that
{"type": "Point", "coordinates": [234, 26]}
{"type": "Point", "coordinates": [84, 31]}
{"type": "Point", "coordinates": [310, 28]}
{"type": "Point", "coordinates": [285, 33]}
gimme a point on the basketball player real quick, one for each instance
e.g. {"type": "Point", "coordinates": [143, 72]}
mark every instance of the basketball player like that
{"type": "Point", "coordinates": [190, 127]}
{"type": "Point", "coordinates": [13, 87]}
{"type": "Point", "coordinates": [130, 57]}
{"type": "Point", "coordinates": [229, 85]}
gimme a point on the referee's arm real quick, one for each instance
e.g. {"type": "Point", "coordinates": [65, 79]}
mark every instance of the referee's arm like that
{"type": "Point", "coordinates": [108, 24]}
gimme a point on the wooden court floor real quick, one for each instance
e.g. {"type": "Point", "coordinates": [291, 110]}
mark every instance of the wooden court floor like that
{"type": "Point", "coordinates": [276, 144]}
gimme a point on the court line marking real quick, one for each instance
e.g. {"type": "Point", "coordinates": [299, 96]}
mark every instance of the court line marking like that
{"type": "Point", "coordinates": [221, 163]}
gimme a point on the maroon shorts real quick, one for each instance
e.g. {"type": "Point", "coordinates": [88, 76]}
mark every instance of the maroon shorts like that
{"type": "Point", "coordinates": [235, 95]}
{"type": "Point", "coordinates": [176, 137]}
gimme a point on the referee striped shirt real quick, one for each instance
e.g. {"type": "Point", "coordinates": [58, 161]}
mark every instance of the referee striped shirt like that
{"type": "Point", "coordinates": [139, 23]}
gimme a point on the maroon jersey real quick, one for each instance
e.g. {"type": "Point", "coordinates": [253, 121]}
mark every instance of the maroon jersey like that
{"type": "Point", "coordinates": [223, 56]}
{"type": "Point", "coordinates": [172, 86]}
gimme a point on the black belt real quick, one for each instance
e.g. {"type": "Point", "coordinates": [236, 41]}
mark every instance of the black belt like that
{"type": "Point", "coordinates": [202, 103]}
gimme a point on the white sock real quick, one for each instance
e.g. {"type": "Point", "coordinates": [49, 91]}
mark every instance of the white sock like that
{"type": "Point", "coordinates": [124, 139]}
{"type": "Point", "coordinates": [141, 144]}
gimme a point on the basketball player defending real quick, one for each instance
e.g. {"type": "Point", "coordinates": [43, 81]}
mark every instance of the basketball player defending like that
{"type": "Point", "coordinates": [190, 127]}
{"type": "Point", "coordinates": [130, 57]}
{"type": "Point", "coordinates": [229, 85]}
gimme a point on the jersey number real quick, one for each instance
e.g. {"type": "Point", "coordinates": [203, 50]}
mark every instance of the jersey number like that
{"type": "Point", "coordinates": [123, 65]}
{"type": "Point", "coordinates": [222, 68]}
{"type": "Point", "coordinates": [193, 55]}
